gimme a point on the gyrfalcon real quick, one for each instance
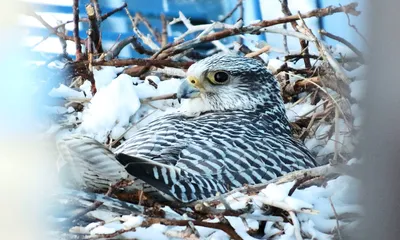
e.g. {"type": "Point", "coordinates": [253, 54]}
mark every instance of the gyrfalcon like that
{"type": "Point", "coordinates": [231, 130]}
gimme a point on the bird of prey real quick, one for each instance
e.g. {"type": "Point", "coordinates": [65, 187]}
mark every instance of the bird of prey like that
{"type": "Point", "coordinates": [231, 130]}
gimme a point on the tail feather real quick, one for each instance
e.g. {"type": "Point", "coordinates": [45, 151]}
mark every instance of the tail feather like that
{"type": "Point", "coordinates": [92, 165]}
{"type": "Point", "coordinates": [174, 181]}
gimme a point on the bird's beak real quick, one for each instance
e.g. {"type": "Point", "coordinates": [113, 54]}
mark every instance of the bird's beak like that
{"type": "Point", "coordinates": [189, 89]}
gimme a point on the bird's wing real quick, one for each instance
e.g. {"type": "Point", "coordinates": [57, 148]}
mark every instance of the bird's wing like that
{"type": "Point", "coordinates": [92, 165]}
{"type": "Point", "coordinates": [174, 181]}
{"type": "Point", "coordinates": [204, 167]}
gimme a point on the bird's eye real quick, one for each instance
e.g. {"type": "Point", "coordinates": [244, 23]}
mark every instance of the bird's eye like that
{"type": "Point", "coordinates": [219, 77]}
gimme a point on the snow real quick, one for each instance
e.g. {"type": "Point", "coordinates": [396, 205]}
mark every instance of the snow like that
{"type": "Point", "coordinates": [65, 92]}
{"type": "Point", "coordinates": [114, 105]}
{"type": "Point", "coordinates": [105, 75]}
{"type": "Point", "coordinates": [358, 89]}
{"type": "Point", "coordinates": [305, 109]}
{"type": "Point", "coordinates": [133, 222]}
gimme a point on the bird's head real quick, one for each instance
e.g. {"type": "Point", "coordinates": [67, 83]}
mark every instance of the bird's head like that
{"type": "Point", "coordinates": [228, 82]}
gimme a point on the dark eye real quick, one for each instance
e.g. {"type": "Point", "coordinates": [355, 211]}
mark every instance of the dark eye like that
{"type": "Point", "coordinates": [221, 77]}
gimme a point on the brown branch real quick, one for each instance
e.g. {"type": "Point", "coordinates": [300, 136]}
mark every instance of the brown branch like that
{"type": "Point", "coordinates": [246, 50]}
{"type": "Point", "coordinates": [162, 97]}
{"type": "Point", "coordinates": [94, 27]}
{"type": "Point", "coordinates": [106, 15]}
{"type": "Point", "coordinates": [89, 47]}
{"type": "Point", "coordinates": [337, 219]}
{"type": "Point", "coordinates": [116, 49]}
{"type": "Point", "coordinates": [75, 10]}
{"type": "Point", "coordinates": [140, 62]}
{"type": "Point", "coordinates": [260, 51]}
{"type": "Point", "coordinates": [96, 204]}
{"type": "Point", "coordinates": [238, 4]}
{"type": "Point", "coordinates": [302, 55]}
{"type": "Point", "coordinates": [97, 11]}
{"type": "Point", "coordinates": [345, 42]}
{"type": "Point", "coordinates": [303, 43]}
{"type": "Point", "coordinates": [135, 72]}
{"type": "Point", "coordinates": [164, 33]}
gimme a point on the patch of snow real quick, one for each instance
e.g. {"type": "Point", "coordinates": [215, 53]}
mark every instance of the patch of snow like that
{"type": "Point", "coordinates": [358, 89]}
{"type": "Point", "coordinates": [133, 222]}
{"type": "Point", "coordinates": [65, 92]}
{"type": "Point", "coordinates": [114, 105]}
{"type": "Point", "coordinates": [105, 75]}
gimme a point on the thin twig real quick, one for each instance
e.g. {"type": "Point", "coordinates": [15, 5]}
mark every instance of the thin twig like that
{"type": "Point", "coordinates": [238, 4]}
{"type": "Point", "coordinates": [260, 51]}
{"type": "Point", "coordinates": [96, 204]}
{"type": "Point", "coordinates": [139, 62]}
{"type": "Point", "coordinates": [164, 33]}
{"type": "Point", "coordinates": [296, 225]}
{"type": "Point", "coordinates": [355, 28]}
{"type": "Point", "coordinates": [97, 11]}
{"type": "Point", "coordinates": [303, 43]}
{"type": "Point", "coordinates": [75, 10]}
{"type": "Point", "coordinates": [337, 219]}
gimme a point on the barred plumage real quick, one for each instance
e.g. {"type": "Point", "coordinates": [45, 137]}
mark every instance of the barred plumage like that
{"type": "Point", "coordinates": [225, 136]}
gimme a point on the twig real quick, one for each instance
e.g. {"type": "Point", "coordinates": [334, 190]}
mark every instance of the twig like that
{"type": "Point", "coordinates": [170, 71]}
{"type": "Point", "coordinates": [94, 27]}
{"type": "Point", "coordinates": [89, 48]}
{"type": "Point", "coordinates": [284, 206]}
{"type": "Point", "coordinates": [303, 44]}
{"type": "Point", "coordinates": [139, 47]}
{"type": "Point", "coordinates": [107, 15]}
{"type": "Point", "coordinates": [116, 49]}
{"type": "Point", "coordinates": [260, 51]}
{"type": "Point", "coordinates": [158, 55]}
{"type": "Point", "coordinates": [337, 219]}
{"type": "Point", "coordinates": [49, 27]}
{"type": "Point", "coordinates": [296, 225]}
{"type": "Point", "coordinates": [246, 50]}
{"type": "Point", "coordinates": [324, 51]}
{"type": "Point", "coordinates": [75, 9]}
{"type": "Point", "coordinates": [164, 33]}
{"type": "Point", "coordinates": [97, 11]}
{"type": "Point", "coordinates": [147, 40]}
{"type": "Point", "coordinates": [287, 33]}
{"type": "Point", "coordinates": [285, 44]}
{"type": "Point", "coordinates": [345, 42]}
{"type": "Point", "coordinates": [139, 62]}
{"type": "Point", "coordinates": [96, 204]}
{"type": "Point", "coordinates": [355, 29]}
{"type": "Point", "coordinates": [298, 183]}
{"type": "Point", "coordinates": [157, 98]}
{"type": "Point", "coordinates": [337, 129]}
{"type": "Point", "coordinates": [146, 23]}
{"type": "Point", "coordinates": [238, 4]}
